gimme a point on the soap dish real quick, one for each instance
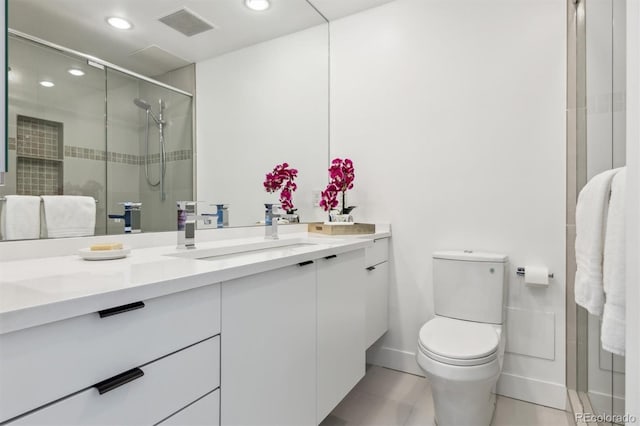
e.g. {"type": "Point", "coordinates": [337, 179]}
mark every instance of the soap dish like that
{"type": "Point", "coordinates": [88, 254]}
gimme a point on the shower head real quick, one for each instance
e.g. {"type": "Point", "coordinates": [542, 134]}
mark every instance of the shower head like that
{"type": "Point", "coordinates": [140, 103]}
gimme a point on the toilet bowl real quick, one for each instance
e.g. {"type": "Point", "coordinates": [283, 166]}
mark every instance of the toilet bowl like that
{"type": "Point", "coordinates": [462, 361]}
{"type": "Point", "coordinates": [461, 350]}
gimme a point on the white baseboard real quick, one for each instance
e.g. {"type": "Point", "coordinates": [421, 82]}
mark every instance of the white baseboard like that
{"type": "Point", "coordinates": [394, 359]}
{"type": "Point", "coordinates": [532, 390]}
{"type": "Point", "coordinates": [524, 388]}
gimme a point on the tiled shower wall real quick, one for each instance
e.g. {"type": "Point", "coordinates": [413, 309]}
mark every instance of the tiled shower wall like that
{"type": "Point", "coordinates": [38, 177]}
{"type": "Point", "coordinates": [39, 138]}
{"type": "Point", "coordinates": [39, 163]}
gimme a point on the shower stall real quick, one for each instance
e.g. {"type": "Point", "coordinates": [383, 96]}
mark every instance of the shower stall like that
{"type": "Point", "coordinates": [80, 126]}
{"type": "Point", "coordinates": [596, 138]}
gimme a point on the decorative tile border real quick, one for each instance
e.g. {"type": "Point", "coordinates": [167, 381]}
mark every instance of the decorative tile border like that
{"type": "Point", "coordinates": [85, 153]}
{"type": "Point", "coordinates": [115, 157]}
{"type": "Point", "coordinates": [183, 154]}
{"type": "Point", "coordinates": [119, 157]}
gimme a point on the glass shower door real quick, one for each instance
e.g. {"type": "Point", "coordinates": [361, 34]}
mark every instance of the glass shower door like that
{"type": "Point", "coordinates": [150, 143]}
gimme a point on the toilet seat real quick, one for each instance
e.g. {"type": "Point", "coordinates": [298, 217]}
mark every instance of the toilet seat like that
{"type": "Point", "coordinates": [457, 342]}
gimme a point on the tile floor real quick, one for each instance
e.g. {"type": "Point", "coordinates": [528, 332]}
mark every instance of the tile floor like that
{"type": "Point", "coordinates": [387, 397]}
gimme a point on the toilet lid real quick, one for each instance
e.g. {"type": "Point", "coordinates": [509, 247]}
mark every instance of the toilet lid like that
{"type": "Point", "coordinates": [458, 339]}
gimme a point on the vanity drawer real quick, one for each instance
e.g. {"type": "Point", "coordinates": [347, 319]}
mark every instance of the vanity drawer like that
{"type": "Point", "coordinates": [378, 253]}
{"type": "Point", "coordinates": [41, 364]}
{"type": "Point", "coordinates": [166, 386]}
{"type": "Point", "coordinates": [205, 411]}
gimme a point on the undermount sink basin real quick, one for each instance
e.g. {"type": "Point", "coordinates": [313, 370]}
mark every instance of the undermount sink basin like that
{"type": "Point", "coordinates": [286, 246]}
{"type": "Point", "coordinates": [283, 250]}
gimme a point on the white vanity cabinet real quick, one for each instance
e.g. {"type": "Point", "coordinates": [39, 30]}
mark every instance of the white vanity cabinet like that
{"type": "Point", "coordinates": [152, 357]}
{"type": "Point", "coordinates": [377, 290]}
{"type": "Point", "coordinates": [341, 318]}
{"type": "Point", "coordinates": [279, 347]}
{"type": "Point", "coordinates": [293, 341]}
{"type": "Point", "coordinates": [269, 348]}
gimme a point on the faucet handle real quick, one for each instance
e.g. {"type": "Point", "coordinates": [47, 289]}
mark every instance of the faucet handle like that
{"type": "Point", "coordinates": [131, 205]}
{"type": "Point", "coordinates": [187, 206]}
{"type": "Point", "coordinates": [276, 209]}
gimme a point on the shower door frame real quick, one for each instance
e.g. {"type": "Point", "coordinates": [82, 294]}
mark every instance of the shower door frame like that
{"type": "Point", "coordinates": [577, 349]}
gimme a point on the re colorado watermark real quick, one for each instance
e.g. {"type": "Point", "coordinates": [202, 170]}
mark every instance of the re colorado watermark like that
{"type": "Point", "coordinates": [605, 418]}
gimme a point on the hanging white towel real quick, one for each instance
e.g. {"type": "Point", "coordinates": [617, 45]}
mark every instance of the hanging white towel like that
{"type": "Point", "coordinates": [69, 215]}
{"type": "Point", "coordinates": [591, 213]}
{"type": "Point", "coordinates": [20, 217]}
{"type": "Point", "coordinates": [613, 317]}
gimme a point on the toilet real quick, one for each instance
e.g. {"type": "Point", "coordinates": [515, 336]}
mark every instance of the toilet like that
{"type": "Point", "coordinates": [461, 350]}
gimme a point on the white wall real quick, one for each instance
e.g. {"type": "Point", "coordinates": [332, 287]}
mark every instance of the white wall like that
{"type": "Point", "coordinates": [632, 402]}
{"type": "Point", "coordinates": [258, 107]}
{"type": "Point", "coordinates": [454, 115]}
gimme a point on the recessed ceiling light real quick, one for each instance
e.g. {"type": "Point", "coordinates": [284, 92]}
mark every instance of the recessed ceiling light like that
{"type": "Point", "coordinates": [258, 5]}
{"type": "Point", "coordinates": [46, 83]}
{"type": "Point", "coordinates": [119, 23]}
{"type": "Point", "coordinates": [75, 72]}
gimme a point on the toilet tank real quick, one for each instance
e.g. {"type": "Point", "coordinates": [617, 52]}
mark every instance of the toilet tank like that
{"type": "Point", "coordinates": [470, 285]}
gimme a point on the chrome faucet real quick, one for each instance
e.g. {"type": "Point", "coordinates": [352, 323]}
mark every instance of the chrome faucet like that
{"type": "Point", "coordinates": [271, 221]}
{"type": "Point", "coordinates": [187, 219]}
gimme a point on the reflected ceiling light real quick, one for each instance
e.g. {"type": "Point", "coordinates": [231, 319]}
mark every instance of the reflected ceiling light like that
{"type": "Point", "coordinates": [258, 5]}
{"type": "Point", "coordinates": [75, 72]}
{"type": "Point", "coordinates": [46, 83]}
{"type": "Point", "coordinates": [119, 23]}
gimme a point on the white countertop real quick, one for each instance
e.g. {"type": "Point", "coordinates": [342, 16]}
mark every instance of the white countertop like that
{"type": "Point", "coordinates": [39, 291]}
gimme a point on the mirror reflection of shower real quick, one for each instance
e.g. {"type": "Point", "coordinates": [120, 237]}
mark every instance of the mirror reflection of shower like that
{"type": "Point", "coordinates": [160, 124]}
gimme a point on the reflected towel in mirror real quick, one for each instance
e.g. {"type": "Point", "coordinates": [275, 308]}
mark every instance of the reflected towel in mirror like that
{"type": "Point", "coordinates": [69, 215]}
{"type": "Point", "coordinates": [20, 217]}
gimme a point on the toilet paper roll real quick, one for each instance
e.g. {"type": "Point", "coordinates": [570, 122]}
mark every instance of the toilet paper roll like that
{"type": "Point", "coordinates": [538, 275]}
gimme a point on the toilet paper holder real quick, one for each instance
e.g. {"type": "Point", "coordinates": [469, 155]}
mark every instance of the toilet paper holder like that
{"type": "Point", "coordinates": [520, 272]}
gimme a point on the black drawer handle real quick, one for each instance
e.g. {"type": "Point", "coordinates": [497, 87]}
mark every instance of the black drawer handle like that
{"type": "Point", "coordinates": [119, 380]}
{"type": "Point", "coordinates": [371, 268]}
{"type": "Point", "coordinates": [333, 256]}
{"type": "Point", "coordinates": [121, 309]}
{"type": "Point", "coordinates": [308, 262]}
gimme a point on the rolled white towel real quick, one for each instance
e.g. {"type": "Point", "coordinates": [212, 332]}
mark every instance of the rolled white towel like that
{"type": "Point", "coordinates": [591, 213]}
{"type": "Point", "coordinates": [20, 218]}
{"type": "Point", "coordinates": [613, 317]}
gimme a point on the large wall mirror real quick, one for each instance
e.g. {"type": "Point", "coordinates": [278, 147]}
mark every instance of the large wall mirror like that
{"type": "Point", "coordinates": [197, 101]}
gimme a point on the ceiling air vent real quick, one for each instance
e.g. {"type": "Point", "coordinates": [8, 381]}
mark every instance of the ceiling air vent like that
{"type": "Point", "coordinates": [186, 22]}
